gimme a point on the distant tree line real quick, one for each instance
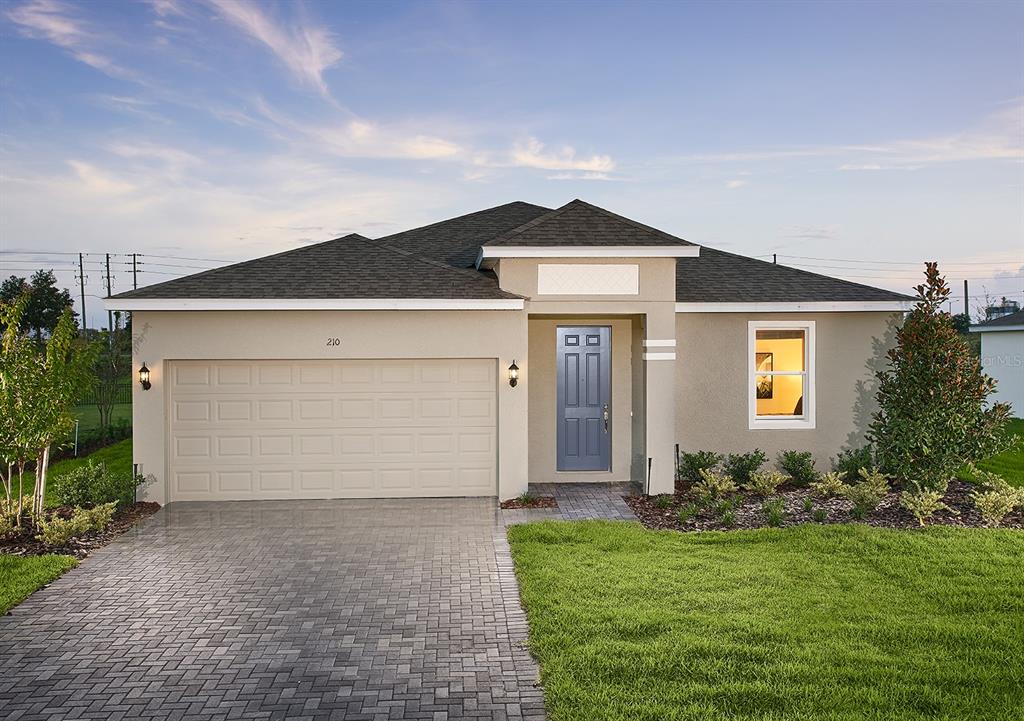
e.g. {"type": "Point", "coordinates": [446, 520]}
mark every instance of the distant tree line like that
{"type": "Point", "coordinates": [46, 302]}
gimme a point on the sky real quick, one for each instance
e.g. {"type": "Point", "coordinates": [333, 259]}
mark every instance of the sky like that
{"type": "Point", "coordinates": [853, 139]}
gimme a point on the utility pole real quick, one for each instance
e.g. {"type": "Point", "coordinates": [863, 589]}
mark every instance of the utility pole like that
{"type": "Point", "coordinates": [135, 271]}
{"type": "Point", "coordinates": [967, 312]}
{"type": "Point", "coordinates": [110, 313]}
{"type": "Point", "coordinates": [81, 287]}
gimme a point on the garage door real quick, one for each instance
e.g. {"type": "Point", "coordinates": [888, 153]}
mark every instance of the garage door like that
{"type": "Point", "coordinates": [331, 429]}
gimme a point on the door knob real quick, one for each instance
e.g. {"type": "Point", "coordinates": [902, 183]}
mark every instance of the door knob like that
{"type": "Point", "coordinates": [604, 414]}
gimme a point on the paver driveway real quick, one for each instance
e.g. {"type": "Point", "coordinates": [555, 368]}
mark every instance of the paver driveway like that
{"type": "Point", "coordinates": [293, 609]}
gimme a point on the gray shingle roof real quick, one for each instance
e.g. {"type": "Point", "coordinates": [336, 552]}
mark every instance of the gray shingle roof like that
{"type": "Point", "coordinates": [348, 267]}
{"type": "Point", "coordinates": [581, 224]}
{"type": "Point", "coordinates": [1011, 319]}
{"type": "Point", "coordinates": [720, 277]}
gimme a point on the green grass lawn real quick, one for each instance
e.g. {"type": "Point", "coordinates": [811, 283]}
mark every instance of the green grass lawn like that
{"type": "Point", "coordinates": [812, 622]}
{"type": "Point", "coordinates": [1009, 465]}
{"type": "Point", "coordinates": [89, 418]}
{"type": "Point", "coordinates": [21, 575]}
{"type": "Point", "coordinates": [117, 456]}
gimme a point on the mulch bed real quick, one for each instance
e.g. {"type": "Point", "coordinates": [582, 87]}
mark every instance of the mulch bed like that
{"type": "Point", "coordinates": [749, 512]}
{"type": "Point", "coordinates": [80, 547]}
{"type": "Point", "coordinates": [534, 502]}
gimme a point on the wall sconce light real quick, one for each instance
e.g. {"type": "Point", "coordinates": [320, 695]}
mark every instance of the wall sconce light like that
{"type": "Point", "coordinates": [144, 378]}
{"type": "Point", "coordinates": [513, 374]}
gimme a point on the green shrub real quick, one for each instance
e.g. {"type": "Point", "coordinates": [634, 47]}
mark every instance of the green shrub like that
{"type": "Point", "coordinates": [741, 465]}
{"type": "Point", "coordinates": [934, 414]}
{"type": "Point", "coordinates": [808, 504]}
{"type": "Point", "coordinates": [101, 516]}
{"type": "Point", "coordinates": [687, 512]}
{"type": "Point", "coordinates": [829, 485]}
{"type": "Point", "coordinates": [997, 499]}
{"type": "Point", "coordinates": [774, 511]}
{"type": "Point", "coordinates": [691, 464]}
{"type": "Point", "coordinates": [820, 515]}
{"type": "Point", "coordinates": [923, 503]}
{"type": "Point", "coordinates": [799, 465]}
{"type": "Point", "coordinates": [868, 492]}
{"type": "Point", "coordinates": [525, 498]}
{"type": "Point", "coordinates": [714, 484]}
{"type": "Point", "coordinates": [6, 525]}
{"type": "Point", "coordinates": [726, 504]}
{"type": "Point", "coordinates": [764, 483]}
{"type": "Point", "coordinates": [663, 501]}
{"type": "Point", "coordinates": [850, 461]}
{"type": "Point", "coordinates": [727, 518]}
{"type": "Point", "coordinates": [93, 484]}
{"type": "Point", "coordinates": [58, 531]}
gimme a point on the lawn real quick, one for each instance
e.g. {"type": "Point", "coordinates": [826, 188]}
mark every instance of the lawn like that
{"type": "Point", "coordinates": [117, 456]}
{"type": "Point", "coordinates": [1009, 465]}
{"type": "Point", "coordinates": [21, 575]}
{"type": "Point", "coordinates": [812, 622]}
{"type": "Point", "coordinates": [89, 418]}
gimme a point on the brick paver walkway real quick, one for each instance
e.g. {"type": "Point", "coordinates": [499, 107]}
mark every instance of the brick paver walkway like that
{"type": "Point", "coordinates": [353, 610]}
{"type": "Point", "coordinates": [577, 502]}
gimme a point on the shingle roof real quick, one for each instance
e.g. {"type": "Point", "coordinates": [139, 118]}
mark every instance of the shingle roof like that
{"type": "Point", "coordinates": [581, 224]}
{"type": "Point", "coordinates": [1011, 319]}
{"type": "Point", "coordinates": [347, 267]}
{"type": "Point", "coordinates": [720, 277]}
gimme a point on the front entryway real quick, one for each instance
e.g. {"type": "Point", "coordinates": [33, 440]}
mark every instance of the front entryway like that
{"type": "Point", "coordinates": [584, 398]}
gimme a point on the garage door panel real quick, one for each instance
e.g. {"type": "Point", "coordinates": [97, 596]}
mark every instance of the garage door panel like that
{"type": "Point", "coordinates": [320, 429]}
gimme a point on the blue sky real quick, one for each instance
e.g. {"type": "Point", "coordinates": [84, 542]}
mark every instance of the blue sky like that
{"type": "Point", "coordinates": [873, 135]}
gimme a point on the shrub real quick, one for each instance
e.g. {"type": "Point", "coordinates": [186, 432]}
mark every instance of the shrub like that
{"type": "Point", "coordinates": [59, 531]}
{"type": "Point", "coordinates": [819, 515]}
{"type": "Point", "coordinates": [764, 483]}
{"type": "Point", "coordinates": [728, 518]}
{"type": "Point", "coordinates": [850, 461]}
{"type": "Point", "coordinates": [726, 504]}
{"type": "Point", "coordinates": [691, 464]}
{"type": "Point", "coordinates": [808, 504]}
{"type": "Point", "coordinates": [867, 493]}
{"type": "Point", "coordinates": [922, 503]}
{"type": "Point", "coordinates": [714, 484]}
{"type": "Point", "coordinates": [829, 485]}
{"type": "Point", "coordinates": [525, 498]}
{"type": "Point", "coordinates": [799, 465]}
{"type": "Point", "coordinates": [93, 484]}
{"type": "Point", "coordinates": [741, 465]}
{"type": "Point", "coordinates": [663, 501]}
{"type": "Point", "coordinates": [6, 525]}
{"type": "Point", "coordinates": [773, 510]}
{"type": "Point", "coordinates": [933, 413]}
{"type": "Point", "coordinates": [687, 512]}
{"type": "Point", "coordinates": [997, 499]}
{"type": "Point", "coordinates": [101, 516]}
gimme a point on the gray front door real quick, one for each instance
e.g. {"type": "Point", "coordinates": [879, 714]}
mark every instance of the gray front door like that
{"type": "Point", "coordinates": [584, 398]}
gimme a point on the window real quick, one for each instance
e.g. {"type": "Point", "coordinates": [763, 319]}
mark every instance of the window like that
{"type": "Point", "coordinates": [781, 374]}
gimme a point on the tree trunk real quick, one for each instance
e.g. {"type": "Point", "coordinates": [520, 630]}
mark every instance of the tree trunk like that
{"type": "Point", "coordinates": [41, 483]}
{"type": "Point", "coordinates": [21, 491]}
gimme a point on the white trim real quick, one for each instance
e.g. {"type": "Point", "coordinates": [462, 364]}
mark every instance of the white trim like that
{"type": "Point", "coordinates": [843, 306]}
{"type": "Point", "coordinates": [659, 356]}
{"type": "Point", "coordinates": [133, 304]}
{"type": "Point", "coordinates": [587, 251]}
{"type": "Point", "coordinates": [994, 328]}
{"type": "Point", "coordinates": [792, 422]}
{"type": "Point", "coordinates": [660, 343]}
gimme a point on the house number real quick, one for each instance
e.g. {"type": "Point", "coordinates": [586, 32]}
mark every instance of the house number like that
{"type": "Point", "coordinates": [333, 341]}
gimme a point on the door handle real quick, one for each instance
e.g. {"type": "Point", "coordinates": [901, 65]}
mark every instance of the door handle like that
{"type": "Point", "coordinates": [604, 414]}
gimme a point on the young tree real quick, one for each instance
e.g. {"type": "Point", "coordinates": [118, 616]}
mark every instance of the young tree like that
{"type": "Point", "coordinates": [113, 363]}
{"type": "Point", "coordinates": [933, 415]}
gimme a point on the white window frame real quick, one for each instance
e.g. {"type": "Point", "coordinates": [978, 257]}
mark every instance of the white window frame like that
{"type": "Point", "coordinates": [805, 422]}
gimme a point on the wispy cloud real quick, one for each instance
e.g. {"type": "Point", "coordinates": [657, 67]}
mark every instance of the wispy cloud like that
{"type": "Point", "coordinates": [737, 183]}
{"type": "Point", "coordinates": [532, 154]}
{"type": "Point", "coordinates": [580, 176]}
{"type": "Point", "coordinates": [809, 232]}
{"type": "Point", "coordinates": [306, 50]}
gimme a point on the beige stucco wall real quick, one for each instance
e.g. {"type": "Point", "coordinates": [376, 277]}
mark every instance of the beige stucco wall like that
{"type": "Point", "coordinates": [543, 424]}
{"type": "Point", "coordinates": [1002, 357]}
{"type": "Point", "coordinates": [160, 336]}
{"type": "Point", "coordinates": [657, 279]}
{"type": "Point", "coordinates": [711, 389]}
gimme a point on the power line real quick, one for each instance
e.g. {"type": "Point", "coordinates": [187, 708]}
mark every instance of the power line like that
{"type": "Point", "coordinates": [901, 262]}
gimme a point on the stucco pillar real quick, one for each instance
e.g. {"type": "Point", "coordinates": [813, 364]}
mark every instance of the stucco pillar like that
{"type": "Point", "coordinates": [659, 358]}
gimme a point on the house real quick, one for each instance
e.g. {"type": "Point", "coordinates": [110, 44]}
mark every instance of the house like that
{"type": "Point", "coordinates": [475, 355]}
{"type": "Point", "coordinates": [1002, 357]}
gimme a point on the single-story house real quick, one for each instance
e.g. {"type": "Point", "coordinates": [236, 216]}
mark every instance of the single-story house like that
{"type": "Point", "coordinates": [1002, 357]}
{"type": "Point", "coordinates": [475, 355]}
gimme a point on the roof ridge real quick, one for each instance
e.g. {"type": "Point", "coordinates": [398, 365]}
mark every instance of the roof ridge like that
{"type": "Point", "coordinates": [629, 221]}
{"type": "Point", "coordinates": [459, 217]}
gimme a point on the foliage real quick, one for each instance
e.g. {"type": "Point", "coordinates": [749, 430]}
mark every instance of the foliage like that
{"type": "Point", "coordinates": [663, 501]}
{"type": "Point", "coordinates": [101, 516]}
{"type": "Point", "coordinates": [996, 499]}
{"type": "Point", "coordinates": [57, 531]}
{"type": "Point", "coordinates": [741, 465]}
{"type": "Point", "coordinates": [46, 302]}
{"type": "Point", "coordinates": [714, 484]}
{"type": "Point", "coordinates": [932, 398]}
{"type": "Point", "coordinates": [851, 460]}
{"type": "Point", "coordinates": [525, 498]}
{"type": "Point", "coordinates": [764, 483]}
{"type": "Point", "coordinates": [113, 362]}
{"type": "Point", "coordinates": [799, 465]}
{"type": "Point", "coordinates": [808, 623]}
{"type": "Point", "coordinates": [808, 504]}
{"type": "Point", "coordinates": [687, 512]}
{"type": "Point", "coordinates": [94, 484]}
{"type": "Point", "coordinates": [21, 575]}
{"type": "Point", "coordinates": [774, 512]}
{"type": "Point", "coordinates": [691, 464]}
{"type": "Point", "coordinates": [820, 515]}
{"type": "Point", "coordinates": [829, 485]}
{"type": "Point", "coordinates": [727, 518]}
{"type": "Point", "coordinates": [1010, 463]}
{"type": "Point", "coordinates": [868, 492]}
{"type": "Point", "coordinates": [923, 504]}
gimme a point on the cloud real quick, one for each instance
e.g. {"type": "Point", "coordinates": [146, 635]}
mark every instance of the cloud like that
{"type": "Point", "coordinates": [55, 22]}
{"type": "Point", "coordinates": [306, 50]}
{"type": "Point", "coordinates": [580, 176]}
{"type": "Point", "coordinates": [810, 232]}
{"type": "Point", "coordinates": [94, 181]}
{"type": "Point", "coordinates": [531, 154]}
{"type": "Point", "coordinates": [733, 184]}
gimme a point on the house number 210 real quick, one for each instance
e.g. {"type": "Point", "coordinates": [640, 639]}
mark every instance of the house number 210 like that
{"type": "Point", "coordinates": [333, 341]}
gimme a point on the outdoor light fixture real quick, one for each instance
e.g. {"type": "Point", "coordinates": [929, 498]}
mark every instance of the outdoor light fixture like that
{"type": "Point", "coordinates": [513, 374]}
{"type": "Point", "coordinates": [144, 377]}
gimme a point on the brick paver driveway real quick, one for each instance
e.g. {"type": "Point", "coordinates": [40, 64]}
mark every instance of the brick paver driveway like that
{"type": "Point", "coordinates": [294, 609]}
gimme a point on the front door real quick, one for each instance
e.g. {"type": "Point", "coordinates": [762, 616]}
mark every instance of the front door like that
{"type": "Point", "coordinates": [584, 398]}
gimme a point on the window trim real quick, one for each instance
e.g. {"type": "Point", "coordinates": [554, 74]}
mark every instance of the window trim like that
{"type": "Point", "coordinates": [754, 422]}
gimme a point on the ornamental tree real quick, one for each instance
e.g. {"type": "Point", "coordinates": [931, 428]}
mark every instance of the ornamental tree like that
{"type": "Point", "coordinates": [933, 414]}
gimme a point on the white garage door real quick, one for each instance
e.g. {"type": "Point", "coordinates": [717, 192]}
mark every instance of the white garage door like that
{"type": "Point", "coordinates": [331, 429]}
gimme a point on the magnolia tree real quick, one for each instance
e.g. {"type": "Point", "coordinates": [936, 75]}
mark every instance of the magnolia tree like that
{"type": "Point", "coordinates": [38, 388]}
{"type": "Point", "coordinates": [933, 413]}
